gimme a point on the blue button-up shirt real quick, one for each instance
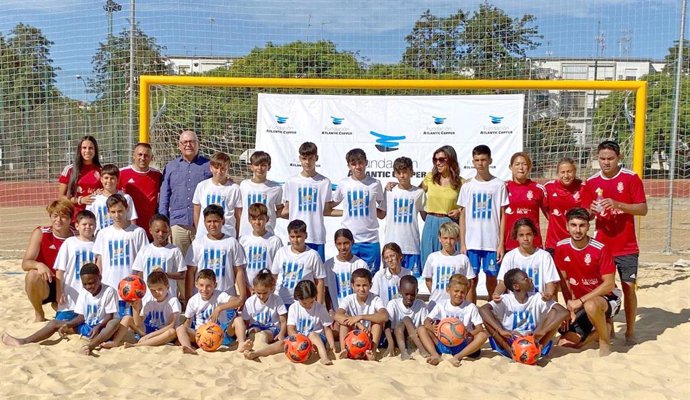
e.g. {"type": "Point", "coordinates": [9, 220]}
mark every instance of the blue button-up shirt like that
{"type": "Point", "coordinates": [180, 178]}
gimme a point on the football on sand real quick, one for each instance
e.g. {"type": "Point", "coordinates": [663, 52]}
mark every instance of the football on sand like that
{"type": "Point", "coordinates": [131, 288]}
{"type": "Point", "coordinates": [209, 336]}
{"type": "Point", "coordinates": [297, 348]}
{"type": "Point", "coordinates": [526, 350]}
{"type": "Point", "coordinates": [450, 332]}
{"type": "Point", "coordinates": [357, 342]}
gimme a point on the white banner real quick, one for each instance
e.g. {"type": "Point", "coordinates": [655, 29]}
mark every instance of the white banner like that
{"type": "Point", "coordinates": [386, 127]}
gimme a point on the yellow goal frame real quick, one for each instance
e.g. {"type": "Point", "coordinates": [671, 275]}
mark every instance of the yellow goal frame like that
{"type": "Point", "coordinates": [640, 88]}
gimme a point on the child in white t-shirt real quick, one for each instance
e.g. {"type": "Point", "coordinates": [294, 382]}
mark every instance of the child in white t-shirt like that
{"type": "Point", "coordinates": [260, 247]}
{"type": "Point", "coordinates": [339, 269]}
{"type": "Point", "coordinates": [535, 262]}
{"type": "Point", "coordinates": [117, 246]}
{"type": "Point", "coordinates": [295, 263]}
{"type": "Point", "coordinates": [75, 252]}
{"type": "Point", "coordinates": [404, 202]}
{"type": "Point", "coordinates": [211, 305]}
{"type": "Point", "coordinates": [406, 313]}
{"type": "Point", "coordinates": [219, 190]}
{"type": "Point", "coordinates": [482, 202]}
{"type": "Point", "coordinates": [456, 307]}
{"type": "Point", "coordinates": [362, 198]}
{"type": "Point", "coordinates": [259, 189]}
{"type": "Point", "coordinates": [110, 174]}
{"type": "Point", "coordinates": [264, 313]}
{"type": "Point", "coordinates": [441, 265]}
{"type": "Point", "coordinates": [361, 310]}
{"type": "Point", "coordinates": [161, 255]}
{"type": "Point", "coordinates": [521, 312]}
{"type": "Point", "coordinates": [307, 317]}
{"type": "Point", "coordinates": [307, 197]}
{"type": "Point", "coordinates": [220, 253]}
{"type": "Point", "coordinates": [386, 280]}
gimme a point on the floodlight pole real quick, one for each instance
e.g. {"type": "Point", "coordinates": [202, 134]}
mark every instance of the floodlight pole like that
{"type": "Point", "coordinates": [131, 74]}
{"type": "Point", "coordinates": [674, 130]}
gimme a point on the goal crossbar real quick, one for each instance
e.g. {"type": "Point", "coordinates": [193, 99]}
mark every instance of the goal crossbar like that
{"type": "Point", "coordinates": [639, 87]}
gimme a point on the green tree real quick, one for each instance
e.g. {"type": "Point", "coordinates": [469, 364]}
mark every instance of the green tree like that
{"type": "Point", "coordinates": [549, 140]}
{"type": "Point", "coordinates": [671, 58]}
{"type": "Point", "coordinates": [434, 44]}
{"type": "Point", "coordinates": [111, 65]}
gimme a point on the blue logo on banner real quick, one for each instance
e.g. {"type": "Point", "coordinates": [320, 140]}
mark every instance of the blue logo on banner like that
{"type": "Point", "coordinates": [386, 143]}
{"type": "Point", "coordinates": [281, 120]}
{"type": "Point", "coordinates": [439, 120]}
{"type": "Point", "coordinates": [337, 121]}
{"type": "Point", "coordinates": [495, 120]}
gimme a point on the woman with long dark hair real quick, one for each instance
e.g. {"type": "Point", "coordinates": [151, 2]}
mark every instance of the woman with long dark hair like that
{"type": "Point", "coordinates": [80, 180]}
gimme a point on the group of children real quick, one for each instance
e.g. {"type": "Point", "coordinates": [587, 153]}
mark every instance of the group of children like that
{"type": "Point", "coordinates": [255, 285]}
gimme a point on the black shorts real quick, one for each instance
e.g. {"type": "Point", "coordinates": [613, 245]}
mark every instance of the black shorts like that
{"type": "Point", "coordinates": [627, 267]}
{"type": "Point", "coordinates": [583, 326]}
{"type": "Point", "coordinates": [52, 294]}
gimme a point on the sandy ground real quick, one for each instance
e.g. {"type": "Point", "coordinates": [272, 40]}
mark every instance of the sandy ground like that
{"type": "Point", "coordinates": [656, 368]}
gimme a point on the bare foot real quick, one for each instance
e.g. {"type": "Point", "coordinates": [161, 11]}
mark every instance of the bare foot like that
{"type": "Point", "coordinates": [454, 361]}
{"type": "Point", "coordinates": [188, 350]}
{"type": "Point", "coordinates": [342, 355]}
{"type": "Point", "coordinates": [424, 353]}
{"type": "Point", "coordinates": [11, 340]}
{"type": "Point", "coordinates": [371, 356]}
{"type": "Point", "coordinates": [40, 318]}
{"type": "Point", "coordinates": [630, 340]}
{"type": "Point", "coordinates": [247, 345]}
{"type": "Point", "coordinates": [404, 355]}
{"type": "Point", "coordinates": [85, 350]}
{"type": "Point", "coordinates": [128, 345]}
{"type": "Point", "coordinates": [604, 351]}
{"type": "Point", "coordinates": [109, 345]}
{"type": "Point", "coordinates": [326, 361]}
{"type": "Point", "coordinates": [433, 360]}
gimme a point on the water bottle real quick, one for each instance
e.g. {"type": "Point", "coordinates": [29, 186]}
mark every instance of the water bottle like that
{"type": "Point", "coordinates": [597, 203]}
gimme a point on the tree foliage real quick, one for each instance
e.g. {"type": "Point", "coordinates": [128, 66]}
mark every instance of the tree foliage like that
{"type": "Point", "coordinates": [434, 45]}
{"type": "Point", "coordinates": [671, 59]}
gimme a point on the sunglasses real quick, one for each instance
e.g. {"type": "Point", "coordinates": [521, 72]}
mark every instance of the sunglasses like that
{"type": "Point", "coordinates": [441, 160]}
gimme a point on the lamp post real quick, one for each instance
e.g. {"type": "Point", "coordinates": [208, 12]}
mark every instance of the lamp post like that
{"type": "Point", "coordinates": [110, 7]}
{"type": "Point", "coordinates": [86, 102]}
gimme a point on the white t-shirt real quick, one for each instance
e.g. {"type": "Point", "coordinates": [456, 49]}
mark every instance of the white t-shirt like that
{"type": "Point", "coordinates": [100, 210]}
{"type": "Point", "coordinates": [397, 312]}
{"type": "Point", "coordinates": [308, 321]}
{"type": "Point", "coordinates": [264, 314]}
{"type": "Point", "coordinates": [168, 259]}
{"type": "Point", "coordinates": [292, 268]}
{"type": "Point", "coordinates": [221, 256]}
{"type": "Point", "coordinates": [95, 308]}
{"type": "Point", "coordinates": [523, 318]}
{"type": "Point", "coordinates": [227, 196]}
{"type": "Point", "coordinates": [466, 312]}
{"type": "Point", "coordinates": [307, 198]}
{"type": "Point", "coordinates": [353, 307]}
{"type": "Point", "coordinates": [385, 284]}
{"type": "Point", "coordinates": [403, 207]}
{"type": "Point", "coordinates": [539, 267]}
{"type": "Point", "coordinates": [268, 193]}
{"type": "Point", "coordinates": [440, 268]}
{"type": "Point", "coordinates": [260, 251]}
{"type": "Point", "coordinates": [118, 248]}
{"type": "Point", "coordinates": [73, 254]}
{"type": "Point", "coordinates": [339, 277]}
{"type": "Point", "coordinates": [482, 202]}
{"type": "Point", "coordinates": [158, 314]}
{"type": "Point", "coordinates": [200, 310]}
{"type": "Point", "coordinates": [360, 200]}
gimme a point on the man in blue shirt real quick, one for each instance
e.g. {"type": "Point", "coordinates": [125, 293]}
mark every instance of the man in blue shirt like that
{"type": "Point", "coordinates": [180, 177]}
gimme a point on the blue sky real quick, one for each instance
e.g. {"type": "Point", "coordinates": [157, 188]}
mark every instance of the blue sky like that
{"type": "Point", "coordinates": [374, 28]}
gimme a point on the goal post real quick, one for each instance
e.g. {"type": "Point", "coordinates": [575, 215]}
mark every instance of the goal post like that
{"type": "Point", "coordinates": [638, 87]}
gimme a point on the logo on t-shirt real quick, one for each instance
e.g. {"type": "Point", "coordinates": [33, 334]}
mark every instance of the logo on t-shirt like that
{"type": "Point", "coordinates": [588, 259]}
{"type": "Point", "coordinates": [307, 198]}
{"type": "Point", "coordinates": [530, 195]}
{"type": "Point", "coordinates": [358, 203]}
{"type": "Point", "coordinates": [567, 259]}
{"type": "Point", "coordinates": [620, 187]}
{"type": "Point", "coordinates": [403, 210]}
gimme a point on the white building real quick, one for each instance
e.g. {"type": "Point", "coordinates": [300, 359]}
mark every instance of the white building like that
{"type": "Point", "coordinates": [185, 65]}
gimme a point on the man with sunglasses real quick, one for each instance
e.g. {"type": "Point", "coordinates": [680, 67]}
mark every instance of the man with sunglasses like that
{"type": "Point", "coordinates": [614, 196]}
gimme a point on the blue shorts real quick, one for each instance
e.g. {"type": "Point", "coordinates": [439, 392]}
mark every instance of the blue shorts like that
{"type": "Point", "coordinates": [484, 260]}
{"type": "Point", "coordinates": [84, 330]}
{"type": "Point", "coordinates": [227, 339]}
{"type": "Point", "coordinates": [319, 248]}
{"type": "Point", "coordinates": [65, 315]}
{"type": "Point", "coordinates": [275, 331]}
{"type": "Point", "coordinates": [124, 308]}
{"type": "Point", "coordinates": [443, 349]}
{"type": "Point", "coordinates": [413, 262]}
{"type": "Point", "coordinates": [370, 252]}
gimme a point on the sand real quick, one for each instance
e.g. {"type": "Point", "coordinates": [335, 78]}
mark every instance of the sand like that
{"type": "Point", "coordinates": [656, 368]}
